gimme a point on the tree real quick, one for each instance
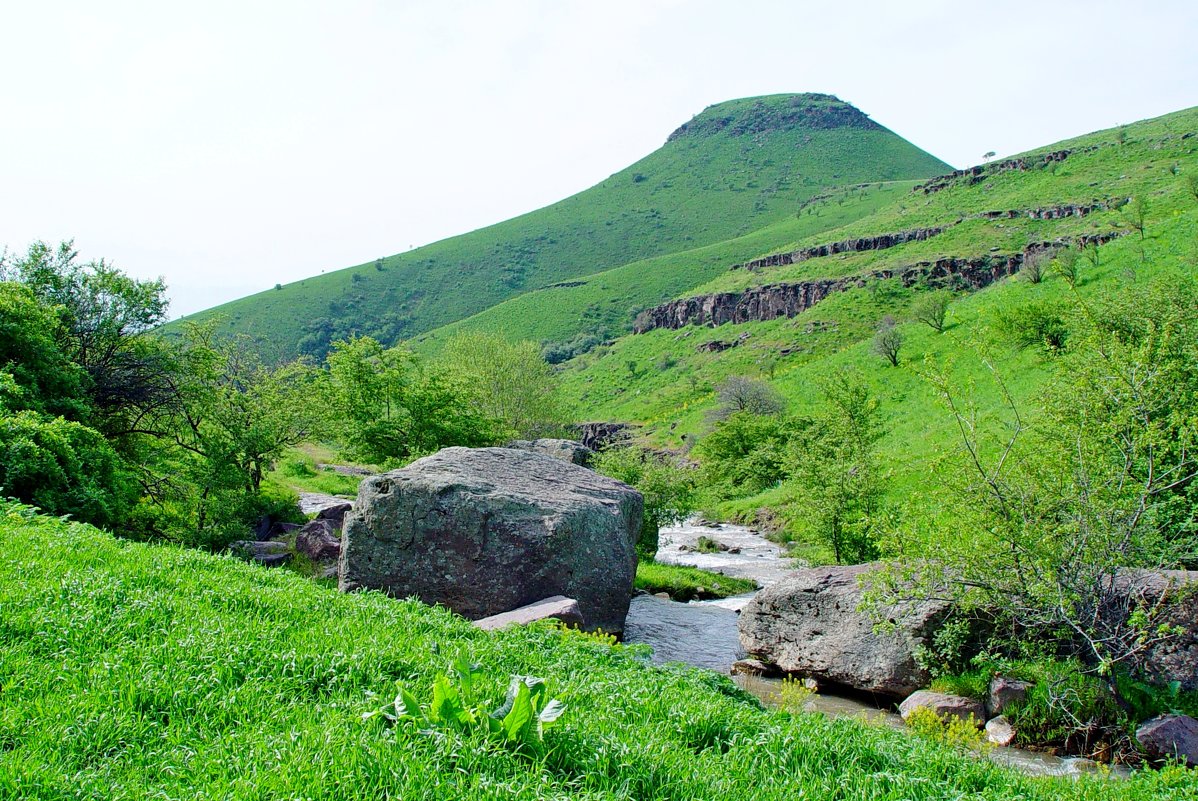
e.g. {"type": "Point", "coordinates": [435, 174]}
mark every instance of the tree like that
{"type": "Point", "coordinates": [930, 308]}
{"type": "Point", "coordinates": [1065, 516]}
{"type": "Point", "coordinates": [104, 320]}
{"type": "Point", "coordinates": [835, 481]}
{"type": "Point", "coordinates": [1136, 213]}
{"type": "Point", "coordinates": [205, 457]}
{"type": "Point", "coordinates": [386, 407]}
{"type": "Point", "coordinates": [888, 341]}
{"type": "Point", "coordinates": [746, 453]}
{"type": "Point", "coordinates": [743, 394]}
{"type": "Point", "coordinates": [509, 382]}
{"type": "Point", "coordinates": [668, 489]}
{"type": "Point", "coordinates": [989, 154]}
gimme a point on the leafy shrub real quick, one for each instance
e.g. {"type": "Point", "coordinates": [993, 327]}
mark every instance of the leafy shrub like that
{"type": "Point", "coordinates": [1036, 323]}
{"type": "Point", "coordinates": [668, 490]}
{"type": "Point", "coordinates": [63, 468]}
{"type": "Point", "coordinates": [518, 723]}
{"type": "Point", "coordinates": [745, 453]}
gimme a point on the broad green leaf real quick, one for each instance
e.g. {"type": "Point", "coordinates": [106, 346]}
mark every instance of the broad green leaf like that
{"type": "Point", "coordinates": [517, 721]}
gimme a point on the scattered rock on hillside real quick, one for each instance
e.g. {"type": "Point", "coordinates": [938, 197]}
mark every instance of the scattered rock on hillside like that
{"type": "Point", "coordinates": [565, 449]}
{"type": "Point", "coordinates": [1170, 737]}
{"type": "Point", "coordinates": [559, 607]}
{"type": "Point", "coordinates": [319, 541]}
{"type": "Point", "coordinates": [809, 624]}
{"type": "Point", "coordinates": [335, 514]}
{"type": "Point", "coordinates": [268, 553]}
{"type": "Point", "coordinates": [944, 705]}
{"type": "Point", "coordinates": [599, 435]}
{"type": "Point", "coordinates": [1004, 692]}
{"type": "Point", "coordinates": [487, 530]}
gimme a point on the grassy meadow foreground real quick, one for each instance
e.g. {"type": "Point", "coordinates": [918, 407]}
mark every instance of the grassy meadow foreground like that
{"type": "Point", "coordinates": [131, 671]}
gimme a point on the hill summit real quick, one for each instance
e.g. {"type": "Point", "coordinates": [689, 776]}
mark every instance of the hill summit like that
{"type": "Point", "coordinates": [735, 168]}
{"type": "Point", "coordinates": [756, 115]}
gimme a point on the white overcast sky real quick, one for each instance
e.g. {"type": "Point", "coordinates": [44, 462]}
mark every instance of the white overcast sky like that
{"type": "Point", "coordinates": [231, 145]}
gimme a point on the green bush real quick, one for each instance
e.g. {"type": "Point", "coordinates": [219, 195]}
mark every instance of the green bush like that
{"type": "Point", "coordinates": [63, 468]}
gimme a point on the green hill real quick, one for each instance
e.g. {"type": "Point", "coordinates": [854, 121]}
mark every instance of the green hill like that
{"type": "Point", "coordinates": [665, 378]}
{"type": "Point", "coordinates": [735, 168]}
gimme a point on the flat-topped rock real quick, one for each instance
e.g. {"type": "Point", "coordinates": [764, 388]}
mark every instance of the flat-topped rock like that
{"type": "Point", "coordinates": [559, 607]}
{"type": "Point", "coordinates": [488, 530]}
{"type": "Point", "coordinates": [809, 624]}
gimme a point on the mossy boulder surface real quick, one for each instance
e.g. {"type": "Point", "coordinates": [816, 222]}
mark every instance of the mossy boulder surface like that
{"type": "Point", "coordinates": [487, 530]}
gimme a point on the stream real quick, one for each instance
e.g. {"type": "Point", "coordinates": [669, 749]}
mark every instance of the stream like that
{"type": "Point", "coordinates": [704, 634]}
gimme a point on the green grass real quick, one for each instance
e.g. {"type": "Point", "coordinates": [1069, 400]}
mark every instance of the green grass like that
{"type": "Point", "coordinates": [664, 381]}
{"type": "Point", "coordinates": [709, 185]}
{"type": "Point", "coordinates": [298, 470]}
{"type": "Point", "coordinates": [130, 671]}
{"type": "Point", "coordinates": [606, 303]}
{"type": "Point", "coordinates": [689, 583]}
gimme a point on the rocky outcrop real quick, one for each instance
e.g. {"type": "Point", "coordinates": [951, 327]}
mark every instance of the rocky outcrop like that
{"type": "Point", "coordinates": [320, 541]}
{"type": "Point", "coordinates": [486, 530]}
{"type": "Point", "coordinates": [1170, 737]}
{"type": "Point", "coordinates": [943, 705]}
{"type": "Point", "coordinates": [599, 435]}
{"type": "Point", "coordinates": [565, 449]}
{"type": "Point", "coordinates": [975, 175]}
{"type": "Point", "coordinates": [264, 552]}
{"type": "Point", "coordinates": [879, 242]}
{"type": "Point", "coordinates": [809, 624]}
{"type": "Point", "coordinates": [1045, 213]}
{"type": "Point", "coordinates": [773, 301]}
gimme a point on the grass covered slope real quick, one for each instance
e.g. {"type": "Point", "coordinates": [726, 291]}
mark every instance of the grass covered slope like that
{"type": "Point", "coordinates": [603, 305]}
{"type": "Point", "coordinates": [736, 167]}
{"type": "Point", "coordinates": [666, 379]}
{"type": "Point", "coordinates": [130, 671]}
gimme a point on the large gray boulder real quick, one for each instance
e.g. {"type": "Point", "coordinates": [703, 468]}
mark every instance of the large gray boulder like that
{"type": "Point", "coordinates": [1175, 659]}
{"type": "Point", "coordinates": [808, 624]}
{"type": "Point", "coordinates": [565, 449]}
{"type": "Point", "coordinates": [487, 530]}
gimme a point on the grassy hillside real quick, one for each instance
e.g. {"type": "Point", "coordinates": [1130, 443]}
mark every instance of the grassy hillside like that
{"type": "Point", "coordinates": [130, 671]}
{"type": "Point", "coordinates": [666, 380]}
{"type": "Point", "coordinates": [737, 167]}
{"type": "Point", "coordinates": [603, 305]}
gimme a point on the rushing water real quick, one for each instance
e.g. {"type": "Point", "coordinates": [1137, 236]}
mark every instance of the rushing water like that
{"type": "Point", "coordinates": [704, 633]}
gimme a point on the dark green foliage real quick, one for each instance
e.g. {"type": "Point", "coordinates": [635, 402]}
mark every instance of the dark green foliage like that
{"type": "Point", "coordinates": [63, 468]}
{"type": "Point", "coordinates": [745, 453]}
{"type": "Point", "coordinates": [44, 379]}
{"type": "Point", "coordinates": [1035, 324]}
{"type": "Point", "coordinates": [668, 490]}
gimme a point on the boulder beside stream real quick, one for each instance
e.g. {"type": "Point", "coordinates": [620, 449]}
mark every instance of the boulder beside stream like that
{"type": "Point", "coordinates": [486, 530]}
{"type": "Point", "coordinates": [808, 624]}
